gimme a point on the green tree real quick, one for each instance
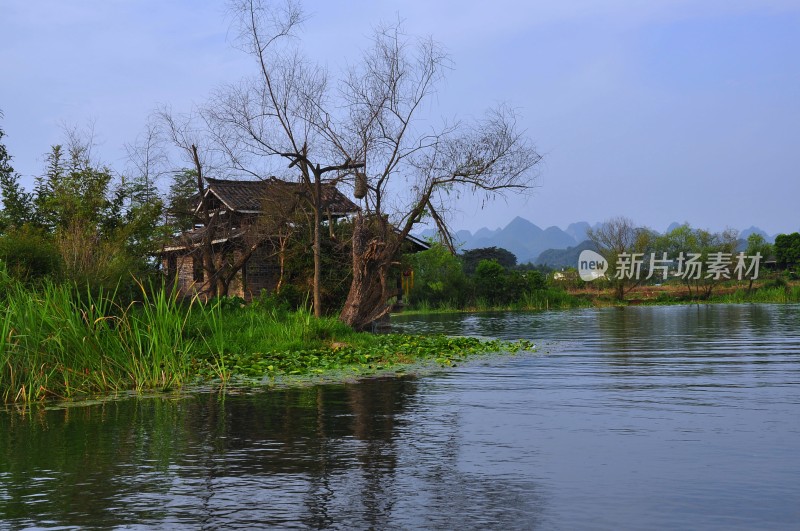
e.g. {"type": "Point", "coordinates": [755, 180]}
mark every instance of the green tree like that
{"type": "Point", "coordinates": [787, 250]}
{"type": "Point", "coordinates": [536, 279]}
{"type": "Point", "coordinates": [100, 223]}
{"type": "Point", "coordinates": [691, 249]}
{"type": "Point", "coordinates": [438, 277]}
{"type": "Point", "coordinates": [757, 245]}
{"type": "Point", "coordinates": [17, 207]}
{"type": "Point", "coordinates": [712, 243]}
{"type": "Point", "coordinates": [140, 226]}
{"type": "Point", "coordinates": [472, 258]}
{"type": "Point", "coordinates": [76, 190]}
{"type": "Point", "coordinates": [490, 282]}
{"type": "Point", "coordinates": [517, 285]}
{"type": "Point", "coordinates": [181, 201]}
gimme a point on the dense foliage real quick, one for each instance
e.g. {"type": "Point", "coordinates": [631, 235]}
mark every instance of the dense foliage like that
{"type": "Point", "coordinates": [472, 257]}
{"type": "Point", "coordinates": [85, 223]}
{"type": "Point", "coordinates": [81, 223]}
{"type": "Point", "coordinates": [787, 250]}
{"type": "Point", "coordinates": [442, 280]}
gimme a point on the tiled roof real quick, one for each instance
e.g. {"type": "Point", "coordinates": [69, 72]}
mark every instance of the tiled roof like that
{"type": "Point", "coordinates": [249, 196]}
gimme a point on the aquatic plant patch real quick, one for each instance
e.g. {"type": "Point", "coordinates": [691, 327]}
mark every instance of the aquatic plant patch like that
{"type": "Point", "coordinates": [363, 353]}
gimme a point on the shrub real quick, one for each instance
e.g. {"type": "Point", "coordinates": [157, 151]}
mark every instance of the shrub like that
{"type": "Point", "coordinates": [29, 256]}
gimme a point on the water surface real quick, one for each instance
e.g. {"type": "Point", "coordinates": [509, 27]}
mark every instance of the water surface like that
{"type": "Point", "coordinates": [645, 418]}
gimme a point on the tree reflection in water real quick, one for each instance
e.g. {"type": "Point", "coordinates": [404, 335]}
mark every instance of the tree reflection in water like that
{"type": "Point", "coordinates": [367, 454]}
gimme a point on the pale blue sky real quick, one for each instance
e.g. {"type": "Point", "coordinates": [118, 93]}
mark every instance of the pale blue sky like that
{"type": "Point", "coordinates": [656, 110]}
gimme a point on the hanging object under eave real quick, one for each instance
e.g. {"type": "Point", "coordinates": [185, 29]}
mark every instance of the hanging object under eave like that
{"type": "Point", "coordinates": [361, 185]}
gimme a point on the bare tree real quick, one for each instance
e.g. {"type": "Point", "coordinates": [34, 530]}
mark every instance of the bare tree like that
{"type": "Point", "coordinates": [148, 159]}
{"type": "Point", "coordinates": [369, 132]}
{"type": "Point", "coordinates": [198, 149]}
{"type": "Point", "coordinates": [414, 171]}
{"type": "Point", "coordinates": [280, 113]}
{"type": "Point", "coordinates": [619, 240]}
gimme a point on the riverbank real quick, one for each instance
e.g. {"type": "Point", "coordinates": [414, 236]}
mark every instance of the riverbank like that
{"type": "Point", "coordinates": [57, 343]}
{"type": "Point", "coordinates": [588, 297]}
{"type": "Point", "coordinates": [668, 294]}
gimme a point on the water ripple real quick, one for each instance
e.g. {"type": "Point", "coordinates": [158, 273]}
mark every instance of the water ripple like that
{"type": "Point", "coordinates": [665, 417]}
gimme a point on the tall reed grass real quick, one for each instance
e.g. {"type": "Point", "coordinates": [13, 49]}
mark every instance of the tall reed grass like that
{"type": "Point", "coordinates": [543, 299]}
{"type": "Point", "coordinates": [551, 299]}
{"type": "Point", "coordinates": [59, 342]}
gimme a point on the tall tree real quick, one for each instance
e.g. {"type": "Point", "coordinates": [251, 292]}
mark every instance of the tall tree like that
{"type": "Point", "coordinates": [101, 230]}
{"type": "Point", "coordinates": [148, 160]}
{"type": "Point", "coordinates": [415, 171]}
{"type": "Point", "coordinates": [367, 130]}
{"type": "Point", "coordinates": [181, 202]}
{"type": "Point", "coordinates": [17, 203]}
{"type": "Point", "coordinates": [282, 112]}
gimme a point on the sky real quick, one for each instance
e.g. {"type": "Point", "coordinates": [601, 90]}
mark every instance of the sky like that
{"type": "Point", "coordinates": [657, 110]}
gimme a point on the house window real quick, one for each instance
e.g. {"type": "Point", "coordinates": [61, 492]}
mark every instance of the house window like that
{"type": "Point", "coordinates": [197, 268]}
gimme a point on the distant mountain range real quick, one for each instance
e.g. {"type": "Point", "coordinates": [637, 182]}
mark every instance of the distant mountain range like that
{"type": "Point", "coordinates": [552, 246]}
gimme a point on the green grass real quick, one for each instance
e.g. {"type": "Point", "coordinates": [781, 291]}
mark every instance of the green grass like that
{"type": "Point", "coordinates": [551, 299]}
{"type": "Point", "coordinates": [61, 343]}
{"type": "Point", "coordinates": [770, 294]}
{"type": "Point", "coordinates": [57, 342]}
{"type": "Point", "coordinates": [545, 299]}
{"type": "Point", "coordinates": [253, 343]}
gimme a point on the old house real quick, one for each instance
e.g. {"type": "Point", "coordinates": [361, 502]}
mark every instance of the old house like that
{"type": "Point", "coordinates": [247, 226]}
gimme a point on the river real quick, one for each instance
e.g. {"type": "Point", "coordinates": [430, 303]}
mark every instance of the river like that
{"type": "Point", "coordinates": [625, 418]}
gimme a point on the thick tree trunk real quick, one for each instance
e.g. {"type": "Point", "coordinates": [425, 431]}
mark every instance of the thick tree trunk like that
{"type": "Point", "coordinates": [369, 289]}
